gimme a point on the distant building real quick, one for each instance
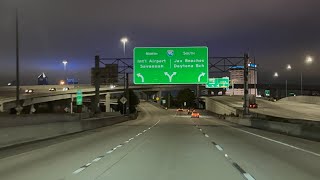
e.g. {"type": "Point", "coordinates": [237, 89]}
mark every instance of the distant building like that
{"type": "Point", "coordinates": [43, 79]}
{"type": "Point", "coordinates": [237, 80]}
{"type": "Point", "coordinates": [108, 74]}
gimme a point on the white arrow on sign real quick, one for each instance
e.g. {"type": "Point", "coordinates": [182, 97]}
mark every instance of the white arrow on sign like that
{"type": "Point", "coordinates": [170, 76]}
{"type": "Point", "coordinates": [123, 100]}
{"type": "Point", "coordinates": [140, 76]}
{"type": "Point", "coordinates": [201, 75]}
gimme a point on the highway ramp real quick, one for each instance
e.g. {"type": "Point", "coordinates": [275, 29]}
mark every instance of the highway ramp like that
{"type": "Point", "coordinates": [161, 145]}
{"type": "Point", "coordinates": [284, 109]}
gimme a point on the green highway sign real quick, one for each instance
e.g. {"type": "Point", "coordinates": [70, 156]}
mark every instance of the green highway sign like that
{"type": "Point", "coordinates": [79, 97]}
{"type": "Point", "coordinates": [170, 65]}
{"type": "Point", "coordinates": [218, 83]}
{"type": "Point", "coordinates": [267, 92]}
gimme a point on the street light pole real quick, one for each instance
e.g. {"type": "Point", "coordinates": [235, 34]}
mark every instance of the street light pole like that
{"type": "Point", "coordinates": [65, 62]}
{"type": "Point", "coordinates": [286, 88]}
{"type": "Point", "coordinates": [18, 106]}
{"type": "Point", "coordinates": [124, 40]}
{"type": "Point", "coordinates": [288, 69]}
{"type": "Point", "coordinates": [301, 83]}
{"type": "Point", "coordinates": [308, 60]}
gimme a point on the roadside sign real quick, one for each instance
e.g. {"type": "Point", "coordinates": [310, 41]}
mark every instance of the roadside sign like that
{"type": "Point", "coordinates": [218, 83]}
{"type": "Point", "coordinates": [267, 92]}
{"type": "Point", "coordinates": [123, 100]}
{"type": "Point", "coordinates": [79, 97]}
{"type": "Point", "coordinates": [170, 65]}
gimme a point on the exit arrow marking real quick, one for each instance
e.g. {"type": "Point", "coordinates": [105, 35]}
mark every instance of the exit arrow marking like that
{"type": "Point", "coordinates": [170, 76]}
{"type": "Point", "coordinates": [201, 75]}
{"type": "Point", "coordinates": [140, 76]}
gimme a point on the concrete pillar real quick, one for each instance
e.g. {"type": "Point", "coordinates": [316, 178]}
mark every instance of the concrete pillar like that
{"type": "Point", "coordinates": [159, 94]}
{"type": "Point", "coordinates": [107, 103]}
{"type": "Point", "coordinates": [32, 109]}
{"type": "Point", "coordinates": [1, 107]}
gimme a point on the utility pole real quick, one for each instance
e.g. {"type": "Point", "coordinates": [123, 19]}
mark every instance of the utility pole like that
{"type": "Point", "coordinates": [301, 93]}
{"type": "Point", "coordinates": [96, 100]}
{"type": "Point", "coordinates": [18, 106]}
{"type": "Point", "coordinates": [245, 83]}
{"type": "Point", "coordinates": [127, 93]}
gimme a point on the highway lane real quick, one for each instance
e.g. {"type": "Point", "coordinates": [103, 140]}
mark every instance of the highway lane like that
{"type": "Point", "coordinates": [161, 145]}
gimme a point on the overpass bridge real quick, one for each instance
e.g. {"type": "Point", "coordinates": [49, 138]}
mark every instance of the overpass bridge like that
{"type": "Point", "coordinates": [42, 94]}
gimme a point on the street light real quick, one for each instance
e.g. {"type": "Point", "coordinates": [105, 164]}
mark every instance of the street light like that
{"type": "Point", "coordinates": [308, 61]}
{"type": "Point", "coordinates": [275, 75]}
{"type": "Point", "coordinates": [124, 40]}
{"type": "Point", "coordinates": [65, 62]}
{"type": "Point", "coordinates": [288, 69]}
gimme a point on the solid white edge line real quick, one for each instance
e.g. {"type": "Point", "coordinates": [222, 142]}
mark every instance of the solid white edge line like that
{"type": "Point", "coordinates": [219, 147]}
{"type": "Point", "coordinates": [119, 146]}
{"type": "Point", "coordinates": [272, 140]}
{"type": "Point", "coordinates": [108, 152]}
{"type": "Point", "coordinates": [78, 170]}
{"type": "Point", "coordinates": [248, 176]}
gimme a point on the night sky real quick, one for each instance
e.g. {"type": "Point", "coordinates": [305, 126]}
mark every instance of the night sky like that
{"type": "Point", "coordinates": [276, 32]}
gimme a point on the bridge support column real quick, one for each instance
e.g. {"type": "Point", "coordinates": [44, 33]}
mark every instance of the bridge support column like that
{"type": "Point", "coordinates": [107, 103]}
{"type": "Point", "coordinates": [159, 94]}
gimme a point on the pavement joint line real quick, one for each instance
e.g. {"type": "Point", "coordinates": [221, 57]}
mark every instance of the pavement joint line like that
{"type": "Point", "coordinates": [214, 143]}
{"type": "Point", "coordinates": [272, 140]}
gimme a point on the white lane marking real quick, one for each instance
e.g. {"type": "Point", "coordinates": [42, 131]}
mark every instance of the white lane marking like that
{"type": "Point", "coordinates": [206, 135]}
{"type": "Point", "coordinates": [126, 141]}
{"type": "Point", "coordinates": [108, 152]}
{"type": "Point", "coordinates": [119, 146]}
{"type": "Point", "coordinates": [138, 135]}
{"type": "Point", "coordinates": [144, 130]}
{"type": "Point", "coordinates": [96, 159]}
{"type": "Point", "coordinates": [226, 155]}
{"type": "Point", "coordinates": [131, 139]}
{"type": "Point", "coordinates": [78, 170]}
{"type": "Point", "coordinates": [88, 164]}
{"type": "Point", "coordinates": [248, 176]}
{"type": "Point", "coordinates": [272, 140]}
{"type": "Point", "coordinates": [200, 130]}
{"type": "Point", "coordinates": [219, 147]}
{"type": "Point", "coordinates": [149, 128]}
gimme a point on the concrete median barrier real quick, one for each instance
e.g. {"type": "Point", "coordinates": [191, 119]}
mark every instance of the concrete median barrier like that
{"type": "Point", "coordinates": [306, 131]}
{"type": "Point", "coordinates": [17, 132]}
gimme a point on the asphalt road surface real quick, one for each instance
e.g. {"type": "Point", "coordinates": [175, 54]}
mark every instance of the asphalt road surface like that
{"type": "Point", "coordinates": [161, 145]}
